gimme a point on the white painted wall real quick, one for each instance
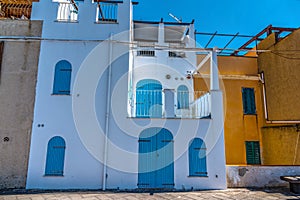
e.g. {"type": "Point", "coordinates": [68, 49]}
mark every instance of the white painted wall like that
{"type": "Point", "coordinates": [80, 117]}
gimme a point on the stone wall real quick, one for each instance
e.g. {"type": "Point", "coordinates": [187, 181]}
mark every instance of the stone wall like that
{"type": "Point", "coordinates": [259, 176]}
{"type": "Point", "coordinates": [18, 77]}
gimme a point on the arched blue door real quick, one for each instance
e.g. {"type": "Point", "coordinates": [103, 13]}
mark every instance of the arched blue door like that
{"type": "Point", "coordinates": [55, 157]}
{"type": "Point", "coordinates": [156, 159]}
{"type": "Point", "coordinates": [148, 98]}
{"type": "Point", "coordinates": [182, 97]}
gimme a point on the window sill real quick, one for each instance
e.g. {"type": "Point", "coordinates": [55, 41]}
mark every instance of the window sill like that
{"type": "Point", "coordinates": [60, 94]}
{"type": "Point", "coordinates": [66, 21]}
{"type": "Point", "coordinates": [195, 176]}
{"type": "Point", "coordinates": [250, 114]}
{"type": "Point", "coordinates": [49, 175]}
{"type": "Point", "coordinates": [106, 22]}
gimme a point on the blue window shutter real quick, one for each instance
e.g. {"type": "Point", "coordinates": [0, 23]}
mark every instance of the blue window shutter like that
{"type": "Point", "coordinates": [62, 78]}
{"type": "Point", "coordinates": [248, 101]}
{"type": "Point", "coordinates": [182, 97]}
{"type": "Point", "coordinates": [55, 157]}
{"type": "Point", "coordinates": [197, 158]}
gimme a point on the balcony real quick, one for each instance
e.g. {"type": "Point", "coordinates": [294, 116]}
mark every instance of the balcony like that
{"type": "Point", "coordinates": [107, 12]}
{"type": "Point", "coordinates": [67, 12]}
{"type": "Point", "coordinates": [169, 104]}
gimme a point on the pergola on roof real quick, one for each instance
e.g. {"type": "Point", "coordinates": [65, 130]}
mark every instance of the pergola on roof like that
{"type": "Point", "coordinates": [16, 8]}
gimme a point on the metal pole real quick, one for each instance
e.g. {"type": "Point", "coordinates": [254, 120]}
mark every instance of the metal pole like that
{"type": "Point", "coordinates": [107, 115]}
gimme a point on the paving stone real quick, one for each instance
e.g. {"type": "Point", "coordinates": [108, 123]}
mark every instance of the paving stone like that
{"type": "Point", "coordinates": [229, 194]}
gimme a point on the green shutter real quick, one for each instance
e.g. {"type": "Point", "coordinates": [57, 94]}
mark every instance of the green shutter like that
{"type": "Point", "coordinates": [248, 101]}
{"type": "Point", "coordinates": [253, 153]}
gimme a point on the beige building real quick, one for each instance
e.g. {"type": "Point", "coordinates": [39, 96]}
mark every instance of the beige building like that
{"type": "Point", "coordinates": [18, 62]}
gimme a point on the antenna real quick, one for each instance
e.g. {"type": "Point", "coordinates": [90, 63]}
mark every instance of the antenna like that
{"type": "Point", "coordinates": [174, 17]}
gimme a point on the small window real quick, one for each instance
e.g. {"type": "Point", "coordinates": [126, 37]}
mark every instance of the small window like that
{"type": "Point", "coordinates": [249, 101]}
{"type": "Point", "coordinates": [253, 153]}
{"type": "Point", "coordinates": [62, 78]}
{"type": "Point", "coordinates": [174, 54]}
{"type": "Point", "coordinates": [107, 12]}
{"type": "Point", "coordinates": [55, 157]}
{"type": "Point", "coordinates": [197, 158]}
{"type": "Point", "coordinates": [146, 53]}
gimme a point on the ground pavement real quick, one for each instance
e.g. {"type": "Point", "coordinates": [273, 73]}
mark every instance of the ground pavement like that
{"type": "Point", "coordinates": [268, 194]}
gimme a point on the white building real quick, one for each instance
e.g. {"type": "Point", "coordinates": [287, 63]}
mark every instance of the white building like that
{"type": "Point", "coordinates": [115, 106]}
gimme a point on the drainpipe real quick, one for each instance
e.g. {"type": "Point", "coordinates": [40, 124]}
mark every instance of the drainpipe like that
{"type": "Point", "coordinates": [262, 79]}
{"type": "Point", "coordinates": [107, 115]}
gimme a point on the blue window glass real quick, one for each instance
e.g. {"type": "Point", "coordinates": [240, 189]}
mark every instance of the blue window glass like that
{"type": "Point", "coordinates": [182, 97]}
{"type": "Point", "coordinates": [55, 157]}
{"type": "Point", "coordinates": [197, 158]}
{"type": "Point", "coordinates": [62, 78]}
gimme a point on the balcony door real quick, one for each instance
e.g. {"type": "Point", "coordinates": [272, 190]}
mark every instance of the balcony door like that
{"type": "Point", "coordinates": [149, 98]}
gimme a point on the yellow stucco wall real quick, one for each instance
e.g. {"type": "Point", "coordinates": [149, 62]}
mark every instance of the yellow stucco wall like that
{"type": "Point", "coordinates": [281, 73]}
{"type": "Point", "coordinates": [281, 70]}
{"type": "Point", "coordinates": [236, 72]}
{"type": "Point", "coordinates": [281, 145]}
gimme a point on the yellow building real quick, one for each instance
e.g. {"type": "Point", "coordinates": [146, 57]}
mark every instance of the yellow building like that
{"type": "Point", "coordinates": [242, 128]}
{"type": "Point", "coordinates": [261, 98]}
{"type": "Point", "coordinates": [279, 67]}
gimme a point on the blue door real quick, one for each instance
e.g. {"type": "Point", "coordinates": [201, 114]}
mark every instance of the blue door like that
{"type": "Point", "coordinates": [148, 98]}
{"type": "Point", "coordinates": [183, 97]}
{"type": "Point", "coordinates": [55, 157]}
{"type": "Point", "coordinates": [156, 159]}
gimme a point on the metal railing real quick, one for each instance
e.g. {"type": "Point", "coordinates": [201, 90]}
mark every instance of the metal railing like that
{"type": "Point", "coordinates": [67, 11]}
{"type": "Point", "coordinates": [201, 106]}
{"type": "Point", "coordinates": [107, 12]}
{"type": "Point", "coordinates": [154, 104]}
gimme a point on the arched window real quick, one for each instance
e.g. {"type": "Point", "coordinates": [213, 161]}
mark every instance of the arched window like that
{"type": "Point", "coordinates": [149, 98]}
{"type": "Point", "coordinates": [197, 158]}
{"type": "Point", "coordinates": [182, 97]}
{"type": "Point", "coordinates": [55, 157]}
{"type": "Point", "coordinates": [62, 77]}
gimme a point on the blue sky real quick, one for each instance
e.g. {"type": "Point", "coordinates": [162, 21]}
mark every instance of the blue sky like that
{"type": "Point", "coordinates": [225, 16]}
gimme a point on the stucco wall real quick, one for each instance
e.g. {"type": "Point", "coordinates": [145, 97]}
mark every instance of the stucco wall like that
{"type": "Point", "coordinates": [259, 176]}
{"type": "Point", "coordinates": [281, 145]}
{"type": "Point", "coordinates": [281, 71]}
{"type": "Point", "coordinates": [17, 93]}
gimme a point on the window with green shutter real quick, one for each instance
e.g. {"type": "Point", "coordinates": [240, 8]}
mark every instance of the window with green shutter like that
{"type": "Point", "coordinates": [253, 153]}
{"type": "Point", "coordinates": [249, 101]}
